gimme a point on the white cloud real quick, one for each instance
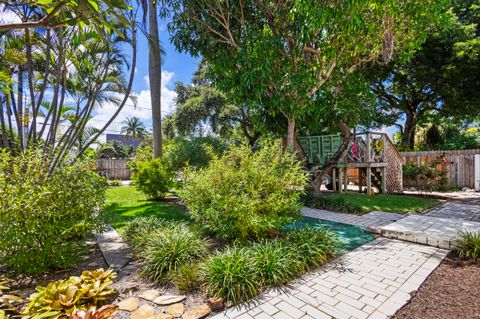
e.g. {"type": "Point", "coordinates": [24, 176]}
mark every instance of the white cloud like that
{"type": "Point", "coordinates": [142, 110]}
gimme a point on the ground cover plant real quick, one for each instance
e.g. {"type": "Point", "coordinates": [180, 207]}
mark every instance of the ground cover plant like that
{"type": "Point", "coordinates": [175, 252]}
{"type": "Point", "coordinates": [245, 194]}
{"type": "Point", "coordinates": [468, 245]}
{"type": "Point", "coordinates": [45, 215]}
{"type": "Point", "coordinates": [361, 203]}
{"type": "Point", "coordinates": [124, 204]}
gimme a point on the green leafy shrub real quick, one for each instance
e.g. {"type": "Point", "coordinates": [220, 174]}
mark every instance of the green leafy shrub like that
{"type": "Point", "coordinates": [195, 152]}
{"type": "Point", "coordinates": [332, 203]}
{"type": "Point", "coordinates": [231, 275]}
{"type": "Point", "coordinates": [314, 246]}
{"type": "Point", "coordinates": [169, 248]}
{"type": "Point", "coordinates": [187, 277]}
{"type": "Point", "coordinates": [276, 262]}
{"type": "Point", "coordinates": [45, 216]}
{"type": "Point", "coordinates": [468, 245]}
{"type": "Point", "coordinates": [245, 194]}
{"type": "Point", "coordinates": [153, 178]}
{"type": "Point", "coordinates": [429, 176]}
{"type": "Point", "coordinates": [64, 298]}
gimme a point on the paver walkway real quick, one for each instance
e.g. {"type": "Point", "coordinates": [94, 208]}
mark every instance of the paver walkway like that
{"type": "Point", "coordinates": [428, 230]}
{"type": "Point", "coordinates": [456, 211]}
{"type": "Point", "coordinates": [116, 252]}
{"type": "Point", "coordinates": [372, 281]}
{"type": "Point", "coordinates": [373, 219]}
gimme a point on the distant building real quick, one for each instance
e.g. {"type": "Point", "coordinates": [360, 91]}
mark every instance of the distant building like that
{"type": "Point", "coordinates": [126, 140]}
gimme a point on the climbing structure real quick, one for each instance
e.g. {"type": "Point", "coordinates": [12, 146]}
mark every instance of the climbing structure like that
{"type": "Point", "coordinates": [371, 154]}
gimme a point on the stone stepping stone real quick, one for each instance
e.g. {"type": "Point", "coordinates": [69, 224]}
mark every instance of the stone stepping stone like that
{"type": "Point", "coordinates": [176, 310]}
{"type": "Point", "coordinates": [168, 300]}
{"type": "Point", "coordinates": [129, 304]}
{"type": "Point", "coordinates": [163, 316]}
{"type": "Point", "coordinates": [197, 312]}
{"type": "Point", "coordinates": [144, 312]}
{"type": "Point", "coordinates": [116, 252]}
{"type": "Point", "coordinates": [150, 294]}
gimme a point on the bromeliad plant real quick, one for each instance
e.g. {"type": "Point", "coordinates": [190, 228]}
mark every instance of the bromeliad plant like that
{"type": "Point", "coordinates": [9, 303]}
{"type": "Point", "coordinates": [76, 296]}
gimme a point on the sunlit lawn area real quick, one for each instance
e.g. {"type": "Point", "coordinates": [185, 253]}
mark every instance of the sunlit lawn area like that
{"type": "Point", "coordinates": [126, 203]}
{"type": "Point", "coordinates": [388, 203]}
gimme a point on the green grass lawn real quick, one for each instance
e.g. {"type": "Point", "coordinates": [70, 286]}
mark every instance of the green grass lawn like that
{"type": "Point", "coordinates": [388, 203]}
{"type": "Point", "coordinates": [126, 203]}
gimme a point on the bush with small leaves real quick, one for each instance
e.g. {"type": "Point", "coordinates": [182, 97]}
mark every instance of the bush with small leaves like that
{"type": "Point", "coordinates": [245, 194]}
{"type": "Point", "coordinates": [153, 178]}
{"type": "Point", "coordinates": [45, 215]}
{"type": "Point", "coordinates": [231, 275]}
{"type": "Point", "coordinates": [171, 247]}
{"type": "Point", "coordinates": [468, 245]}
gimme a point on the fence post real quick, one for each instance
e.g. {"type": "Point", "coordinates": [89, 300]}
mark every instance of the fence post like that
{"type": "Point", "coordinates": [477, 172]}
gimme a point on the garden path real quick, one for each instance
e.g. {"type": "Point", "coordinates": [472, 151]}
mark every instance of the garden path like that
{"type": "Point", "coordinates": [372, 281]}
{"type": "Point", "coordinates": [371, 220]}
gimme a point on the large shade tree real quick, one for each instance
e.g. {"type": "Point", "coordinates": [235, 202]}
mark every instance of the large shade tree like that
{"type": "Point", "coordinates": [284, 55]}
{"type": "Point", "coordinates": [201, 105]}
{"type": "Point", "coordinates": [441, 81]}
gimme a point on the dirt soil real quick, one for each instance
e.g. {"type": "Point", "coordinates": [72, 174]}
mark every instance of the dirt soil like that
{"type": "Point", "coordinates": [451, 291]}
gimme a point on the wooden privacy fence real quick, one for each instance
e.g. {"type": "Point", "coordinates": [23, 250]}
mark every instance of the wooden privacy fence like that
{"type": "Point", "coordinates": [463, 166]}
{"type": "Point", "coordinates": [114, 168]}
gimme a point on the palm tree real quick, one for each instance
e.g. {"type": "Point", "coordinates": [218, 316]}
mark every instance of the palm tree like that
{"type": "Point", "coordinates": [134, 128]}
{"type": "Point", "coordinates": [155, 53]}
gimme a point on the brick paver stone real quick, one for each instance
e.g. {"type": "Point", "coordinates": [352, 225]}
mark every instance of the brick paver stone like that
{"type": "Point", "coordinates": [363, 283]}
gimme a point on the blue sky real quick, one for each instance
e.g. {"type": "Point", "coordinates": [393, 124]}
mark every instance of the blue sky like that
{"type": "Point", "coordinates": [176, 67]}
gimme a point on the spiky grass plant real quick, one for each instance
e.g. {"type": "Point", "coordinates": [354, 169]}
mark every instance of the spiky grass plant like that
{"type": "Point", "coordinates": [313, 245]}
{"type": "Point", "coordinates": [468, 245]}
{"type": "Point", "coordinates": [169, 248]}
{"type": "Point", "coordinates": [231, 275]}
{"type": "Point", "coordinates": [275, 262]}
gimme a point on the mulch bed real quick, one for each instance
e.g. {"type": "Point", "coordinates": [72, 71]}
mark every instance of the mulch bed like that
{"type": "Point", "coordinates": [451, 291]}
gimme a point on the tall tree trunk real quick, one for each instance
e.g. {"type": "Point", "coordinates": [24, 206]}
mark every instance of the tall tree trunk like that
{"type": "Point", "coordinates": [408, 136]}
{"type": "Point", "coordinates": [20, 120]}
{"type": "Point", "coordinates": [291, 133]}
{"type": "Point", "coordinates": [155, 76]}
{"type": "Point", "coordinates": [3, 125]}
{"type": "Point", "coordinates": [333, 161]}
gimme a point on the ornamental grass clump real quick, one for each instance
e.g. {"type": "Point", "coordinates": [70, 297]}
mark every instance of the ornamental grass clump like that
{"type": "Point", "coordinates": [276, 262]}
{"type": "Point", "coordinates": [137, 232]}
{"type": "Point", "coordinates": [231, 275]}
{"type": "Point", "coordinates": [168, 248]}
{"type": "Point", "coordinates": [245, 194]}
{"type": "Point", "coordinates": [314, 246]}
{"type": "Point", "coordinates": [468, 245]}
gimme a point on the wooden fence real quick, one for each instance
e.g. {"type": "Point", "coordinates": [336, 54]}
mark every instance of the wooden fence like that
{"type": "Point", "coordinates": [114, 168]}
{"type": "Point", "coordinates": [460, 165]}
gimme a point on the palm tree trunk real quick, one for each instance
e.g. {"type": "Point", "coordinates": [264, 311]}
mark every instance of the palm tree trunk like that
{"type": "Point", "coordinates": [155, 76]}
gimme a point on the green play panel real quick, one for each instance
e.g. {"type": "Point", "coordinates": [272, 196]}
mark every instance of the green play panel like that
{"type": "Point", "coordinates": [349, 235]}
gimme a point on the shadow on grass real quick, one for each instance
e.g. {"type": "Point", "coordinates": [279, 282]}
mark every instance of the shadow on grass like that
{"type": "Point", "coordinates": [118, 215]}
